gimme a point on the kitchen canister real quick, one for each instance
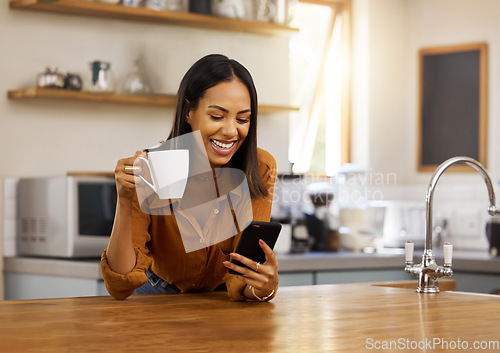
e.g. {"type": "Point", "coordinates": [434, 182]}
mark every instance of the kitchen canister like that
{"type": "Point", "coordinates": [239, 9]}
{"type": "Point", "coordinates": [135, 82]}
{"type": "Point", "coordinates": [200, 6]}
{"type": "Point", "coordinates": [132, 3]}
{"type": "Point", "coordinates": [50, 79]}
{"type": "Point", "coordinates": [101, 77]}
{"type": "Point", "coordinates": [73, 82]}
{"type": "Point", "coordinates": [166, 5]}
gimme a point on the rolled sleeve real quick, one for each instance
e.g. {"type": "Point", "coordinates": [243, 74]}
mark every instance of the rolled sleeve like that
{"type": "Point", "coordinates": [235, 288]}
{"type": "Point", "coordinates": [268, 171]}
{"type": "Point", "coordinates": [121, 286]}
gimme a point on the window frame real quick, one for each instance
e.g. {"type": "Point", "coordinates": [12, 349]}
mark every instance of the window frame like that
{"type": "Point", "coordinates": [342, 8]}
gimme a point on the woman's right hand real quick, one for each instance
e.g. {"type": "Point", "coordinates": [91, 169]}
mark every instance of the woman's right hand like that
{"type": "Point", "coordinates": [120, 252]}
{"type": "Point", "coordinates": [125, 179]}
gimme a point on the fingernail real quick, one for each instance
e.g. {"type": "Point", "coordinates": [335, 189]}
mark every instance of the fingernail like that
{"type": "Point", "coordinates": [261, 241]}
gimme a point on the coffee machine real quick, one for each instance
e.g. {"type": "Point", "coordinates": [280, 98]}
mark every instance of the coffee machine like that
{"type": "Point", "coordinates": [321, 223]}
{"type": "Point", "coordinates": [288, 209]}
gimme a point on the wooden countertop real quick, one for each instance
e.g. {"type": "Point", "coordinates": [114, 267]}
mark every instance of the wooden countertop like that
{"type": "Point", "coordinates": [329, 318]}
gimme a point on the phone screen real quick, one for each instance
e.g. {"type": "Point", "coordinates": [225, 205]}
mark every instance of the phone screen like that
{"type": "Point", "coordinates": [248, 245]}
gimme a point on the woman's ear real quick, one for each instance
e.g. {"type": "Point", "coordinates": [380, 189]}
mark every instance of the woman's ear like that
{"type": "Point", "coordinates": [187, 116]}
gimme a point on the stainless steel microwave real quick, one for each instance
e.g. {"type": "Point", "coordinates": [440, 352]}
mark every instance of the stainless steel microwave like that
{"type": "Point", "coordinates": [65, 217]}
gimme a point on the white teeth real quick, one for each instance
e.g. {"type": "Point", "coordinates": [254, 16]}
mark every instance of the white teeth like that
{"type": "Point", "coordinates": [225, 146]}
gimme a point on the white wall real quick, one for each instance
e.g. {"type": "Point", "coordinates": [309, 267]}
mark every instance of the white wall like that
{"type": "Point", "coordinates": [388, 35]}
{"type": "Point", "coordinates": [54, 137]}
{"type": "Point", "coordinates": [40, 138]}
{"type": "Point", "coordinates": [380, 85]}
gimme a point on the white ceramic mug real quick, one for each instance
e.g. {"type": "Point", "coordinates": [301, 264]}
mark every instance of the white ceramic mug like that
{"type": "Point", "coordinates": [169, 172]}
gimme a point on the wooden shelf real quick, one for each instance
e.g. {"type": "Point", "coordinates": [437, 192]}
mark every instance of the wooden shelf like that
{"type": "Point", "coordinates": [154, 100]}
{"type": "Point", "coordinates": [120, 12]}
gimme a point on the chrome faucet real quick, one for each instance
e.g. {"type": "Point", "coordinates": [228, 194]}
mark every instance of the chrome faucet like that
{"type": "Point", "coordinates": [428, 272]}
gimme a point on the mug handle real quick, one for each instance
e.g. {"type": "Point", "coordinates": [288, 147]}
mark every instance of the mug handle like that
{"type": "Point", "coordinates": [143, 179]}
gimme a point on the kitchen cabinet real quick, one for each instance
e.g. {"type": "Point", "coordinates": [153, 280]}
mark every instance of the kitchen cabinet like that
{"type": "Point", "coordinates": [473, 271]}
{"type": "Point", "coordinates": [360, 276]}
{"type": "Point", "coordinates": [477, 282]}
{"type": "Point", "coordinates": [341, 276]}
{"type": "Point", "coordinates": [119, 12]}
{"type": "Point", "coordinates": [38, 286]}
{"type": "Point", "coordinates": [32, 278]}
{"type": "Point", "coordinates": [37, 278]}
{"type": "Point", "coordinates": [466, 281]}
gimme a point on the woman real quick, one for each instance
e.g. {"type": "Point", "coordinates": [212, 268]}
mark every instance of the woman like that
{"type": "Point", "coordinates": [145, 254]}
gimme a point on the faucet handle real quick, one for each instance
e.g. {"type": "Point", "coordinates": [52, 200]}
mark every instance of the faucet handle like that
{"type": "Point", "coordinates": [448, 250]}
{"type": "Point", "coordinates": [409, 246]}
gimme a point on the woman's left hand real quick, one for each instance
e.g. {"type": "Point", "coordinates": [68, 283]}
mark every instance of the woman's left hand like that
{"type": "Point", "coordinates": [263, 277]}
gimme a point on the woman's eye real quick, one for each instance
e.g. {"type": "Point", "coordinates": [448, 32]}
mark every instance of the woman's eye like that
{"type": "Point", "coordinates": [243, 121]}
{"type": "Point", "coordinates": [215, 117]}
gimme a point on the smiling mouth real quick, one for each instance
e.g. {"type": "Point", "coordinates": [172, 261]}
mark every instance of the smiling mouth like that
{"type": "Point", "coordinates": [221, 145]}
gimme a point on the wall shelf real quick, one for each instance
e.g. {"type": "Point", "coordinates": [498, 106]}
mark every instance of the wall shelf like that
{"type": "Point", "coordinates": [154, 100]}
{"type": "Point", "coordinates": [141, 14]}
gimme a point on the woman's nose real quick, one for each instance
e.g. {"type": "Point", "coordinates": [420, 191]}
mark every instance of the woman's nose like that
{"type": "Point", "coordinates": [229, 129]}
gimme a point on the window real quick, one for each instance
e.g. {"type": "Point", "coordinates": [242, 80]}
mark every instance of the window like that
{"type": "Point", "coordinates": [319, 78]}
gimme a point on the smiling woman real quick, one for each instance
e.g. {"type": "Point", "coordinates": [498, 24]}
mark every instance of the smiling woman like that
{"type": "Point", "coordinates": [146, 252]}
{"type": "Point", "coordinates": [218, 71]}
{"type": "Point", "coordinates": [222, 116]}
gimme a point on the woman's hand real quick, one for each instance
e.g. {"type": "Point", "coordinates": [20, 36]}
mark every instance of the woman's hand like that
{"type": "Point", "coordinates": [125, 179]}
{"type": "Point", "coordinates": [264, 277]}
{"type": "Point", "coordinates": [120, 252]}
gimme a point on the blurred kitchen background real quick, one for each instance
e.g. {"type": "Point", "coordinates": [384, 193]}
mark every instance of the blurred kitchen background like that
{"type": "Point", "coordinates": [343, 129]}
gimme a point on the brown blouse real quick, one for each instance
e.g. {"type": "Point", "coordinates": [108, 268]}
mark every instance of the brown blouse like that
{"type": "Point", "coordinates": [158, 244]}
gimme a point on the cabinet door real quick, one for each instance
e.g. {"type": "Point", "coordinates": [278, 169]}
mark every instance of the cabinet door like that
{"type": "Point", "coordinates": [296, 279]}
{"type": "Point", "coordinates": [338, 277]}
{"type": "Point", "coordinates": [477, 282]}
{"type": "Point", "coordinates": [30, 286]}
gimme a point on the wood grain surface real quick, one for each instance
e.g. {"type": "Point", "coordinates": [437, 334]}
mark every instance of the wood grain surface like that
{"type": "Point", "coordinates": [327, 318]}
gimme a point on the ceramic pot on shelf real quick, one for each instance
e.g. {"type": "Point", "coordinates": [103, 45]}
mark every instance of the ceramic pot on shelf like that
{"type": "Point", "coordinates": [50, 79]}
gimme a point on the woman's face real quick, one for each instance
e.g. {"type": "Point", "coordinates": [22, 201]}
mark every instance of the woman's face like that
{"type": "Point", "coordinates": [223, 119]}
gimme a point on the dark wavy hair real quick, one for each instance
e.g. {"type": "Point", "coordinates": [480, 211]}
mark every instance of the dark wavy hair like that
{"type": "Point", "coordinates": [204, 74]}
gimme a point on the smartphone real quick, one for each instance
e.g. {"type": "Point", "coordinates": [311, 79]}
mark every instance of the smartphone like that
{"type": "Point", "coordinates": [248, 245]}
